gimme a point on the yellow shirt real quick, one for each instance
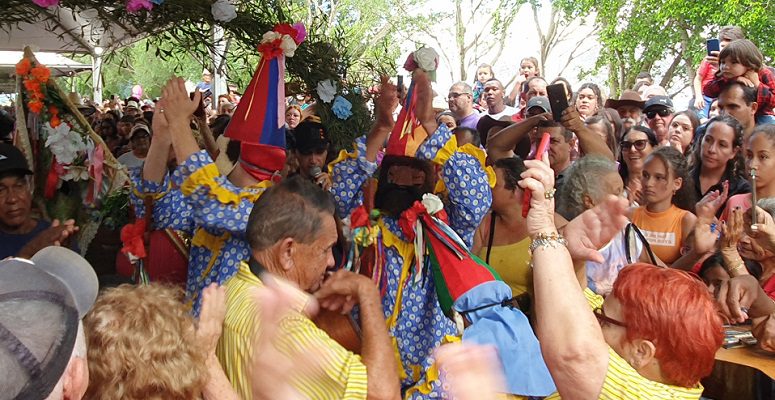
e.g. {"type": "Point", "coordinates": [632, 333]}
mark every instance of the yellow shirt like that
{"type": "Point", "coordinates": [512, 263]}
{"type": "Point", "coordinates": [344, 375]}
{"type": "Point", "coordinates": [622, 381]}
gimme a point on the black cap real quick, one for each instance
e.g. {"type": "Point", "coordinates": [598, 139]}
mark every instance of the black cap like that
{"type": "Point", "coordinates": [658, 102]}
{"type": "Point", "coordinates": [311, 137]}
{"type": "Point", "coordinates": [12, 160]}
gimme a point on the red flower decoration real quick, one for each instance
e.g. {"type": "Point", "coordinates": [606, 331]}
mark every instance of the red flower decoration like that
{"type": "Point", "coordinates": [410, 64]}
{"type": "Point", "coordinates": [359, 218]}
{"type": "Point", "coordinates": [23, 67]}
{"type": "Point", "coordinates": [35, 106]}
{"type": "Point", "coordinates": [41, 73]}
{"type": "Point", "coordinates": [271, 49]}
{"type": "Point", "coordinates": [132, 238]}
{"type": "Point", "coordinates": [410, 217]}
{"type": "Point", "coordinates": [285, 29]}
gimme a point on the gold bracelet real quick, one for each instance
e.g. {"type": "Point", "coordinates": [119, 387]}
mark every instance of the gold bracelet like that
{"type": "Point", "coordinates": [740, 266]}
{"type": "Point", "coordinates": [546, 240]}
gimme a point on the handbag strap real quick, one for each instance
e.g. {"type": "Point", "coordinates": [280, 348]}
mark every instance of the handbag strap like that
{"type": "Point", "coordinates": [632, 228]}
{"type": "Point", "coordinates": [491, 236]}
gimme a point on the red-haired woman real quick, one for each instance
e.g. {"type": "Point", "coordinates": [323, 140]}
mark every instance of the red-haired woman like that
{"type": "Point", "coordinates": [633, 345]}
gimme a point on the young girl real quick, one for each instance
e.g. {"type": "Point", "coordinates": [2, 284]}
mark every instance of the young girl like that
{"type": "Point", "coordinates": [528, 68]}
{"type": "Point", "coordinates": [588, 100]}
{"type": "Point", "coordinates": [718, 158]}
{"type": "Point", "coordinates": [483, 74]}
{"type": "Point", "coordinates": [664, 218]}
{"type": "Point", "coordinates": [742, 61]}
{"type": "Point", "coordinates": [681, 130]}
{"type": "Point", "coordinates": [759, 155]}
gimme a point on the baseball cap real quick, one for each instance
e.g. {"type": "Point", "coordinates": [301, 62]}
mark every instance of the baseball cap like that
{"type": "Point", "coordinates": [12, 159]}
{"type": "Point", "coordinates": [131, 104]}
{"type": "Point", "coordinates": [657, 102]}
{"type": "Point", "coordinates": [41, 303]}
{"type": "Point", "coordinates": [539, 101]}
{"type": "Point", "coordinates": [139, 130]}
{"type": "Point", "coordinates": [310, 136]}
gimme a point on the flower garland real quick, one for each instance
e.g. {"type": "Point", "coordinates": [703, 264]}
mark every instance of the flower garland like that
{"type": "Point", "coordinates": [282, 41]}
{"type": "Point", "coordinates": [35, 80]}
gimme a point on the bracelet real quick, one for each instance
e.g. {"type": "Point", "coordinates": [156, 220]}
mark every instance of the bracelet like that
{"type": "Point", "coordinates": [738, 267]}
{"type": "Point", "coordinates": [546, 240]}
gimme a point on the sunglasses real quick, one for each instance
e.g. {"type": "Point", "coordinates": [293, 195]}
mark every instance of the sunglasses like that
{"type": "Point", "coordinates": [663, 112]}
{"type": "Point", "coordinates": [639, 144]}
{"type": "Point", "coordinates": [601, 318]}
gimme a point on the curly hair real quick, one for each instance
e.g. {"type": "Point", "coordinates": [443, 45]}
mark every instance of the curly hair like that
{"type": "Point", "coordinates": [666, 306]}
{"type": "Point", "coordinates": [736, 165]}
{"type": "Point", "coordinates": [585, 177]}
{"type": "Point", "coordinates": [142, 345]}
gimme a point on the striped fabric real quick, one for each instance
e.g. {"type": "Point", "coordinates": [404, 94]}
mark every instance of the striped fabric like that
{"type": "Point", "coordinates": [341, 373]}
{"type": "Point", "coordinates": [622, 381]}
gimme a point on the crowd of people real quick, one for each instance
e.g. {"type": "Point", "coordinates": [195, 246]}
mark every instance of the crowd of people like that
{"type": "Point", "coordinates": [455, 269]}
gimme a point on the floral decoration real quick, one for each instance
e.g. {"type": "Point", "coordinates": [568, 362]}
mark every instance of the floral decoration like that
{"type": "Point", "coordinates": [342, 108]}
{"type": "Point", "coordinates": [326, 90]}
{"type": "Point", "coordinates": [34, 80]}
{"type": "Point", "coordinates": [223, 11]}
{"type": "Point", "coordinates": [282, 41]}
{"type": "Point", "coordinates": [424, 58]}
{"type": "Point", "coordinates": [67, 146]}
{"type": "Point", "coordinates": [133, 6]}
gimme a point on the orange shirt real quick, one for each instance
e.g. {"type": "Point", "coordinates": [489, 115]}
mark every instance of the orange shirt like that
{"type": "Point", "coordinates": [663, 231]}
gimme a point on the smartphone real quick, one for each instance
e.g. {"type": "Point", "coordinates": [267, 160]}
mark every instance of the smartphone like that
{"type": "Point", "coordinates": [558, 99]}
{"type": "Point", "coordinates": [200, 110]}
{"type": "Point", "coordinates": [713, 45]}
{"type": "Point", "coordinates": [542, 147]}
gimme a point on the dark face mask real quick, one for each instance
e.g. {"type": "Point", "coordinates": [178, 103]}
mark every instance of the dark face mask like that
{"type": "Point", "coordinates": [394, 199]}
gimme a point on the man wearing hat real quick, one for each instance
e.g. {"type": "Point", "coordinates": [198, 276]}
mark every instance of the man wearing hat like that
{"type": "Point", "coordinates": [385, 252]}
{"type": "Point", "coordinates": [629, 106]}
{"type": "Point", "coordinates": [311, 150]}
{"type": "Point", "coordinates": [132, 109]}
{"type": "Point", "coordinates": [42, 342]}
{"type": "Point", "coordinates": [198, 199]}
{"type": "Point", "coordinates": [21, 234]}
{"type": "Point", "coordinates": [659, 113]}
{"type": "Point", "coordinates": [140, 141]}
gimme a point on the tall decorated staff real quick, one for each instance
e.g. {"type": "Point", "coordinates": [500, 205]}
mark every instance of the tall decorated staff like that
{"type": "Point", "coordinates": [262, 134]}
{"type": "Point", "coordinates": [418, 151]}
{"type": "Point", "coordinates": [74, 170]}
{"type": "Point", "coordinates": [471, 293]}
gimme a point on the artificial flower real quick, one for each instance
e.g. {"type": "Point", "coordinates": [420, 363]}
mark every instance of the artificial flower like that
{"type": "Point", "coordinates": [133, 6]}
{"type": "Point", "coordinates": [288, 45]}
{"type": "Point", "coordinates": [285, 29]}
{"type": "Point", "coordinates": [31, 85]}
{"type": "Point", "coordinates": [410, 65]}
{"type": "Point", "coordinates": [132, 238]}
{"type": "Point", "coordinates": [46, 3]}
{"type": "Point", "coordinates": [75, 173]}
{"type": "Point", "coordinates": [64, 144]}
{"type": "Point", "coordinates": [35, 106]}
{"type": "Point", "coordinates": [427, 59]}
{"type": "Point", "coordinates": [223, 11]}
{"type": "Point", "coordinates": [55, 121]}
{"type": "Point", "coordinates": [301, 32]}
{"type": "Point", "coordinates": [432, 203]}
{"type": "Point", "coordinates": [23, 67]}
{"type": "Point", "coordinates": [41, 73]}
{"type": "Point", "coordinates": [271, 49]}
{"type": "Point", "coordinates": [342, 108]}
{"type": "Point", "coordinates": [270, 36]}
{"type": "Point", "coordinates": [326, 90]}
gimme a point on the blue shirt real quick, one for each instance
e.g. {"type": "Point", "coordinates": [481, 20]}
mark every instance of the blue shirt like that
{"type": "Point", "coordinates": [11, 244]}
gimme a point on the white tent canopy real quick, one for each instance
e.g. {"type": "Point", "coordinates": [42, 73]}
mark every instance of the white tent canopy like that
{"type": "Point", "coordinates": [57, 63]}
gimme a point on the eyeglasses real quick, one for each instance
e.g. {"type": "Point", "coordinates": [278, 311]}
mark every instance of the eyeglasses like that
{"type": "Point", "coordinates": [601, 317]}
{"type": "Point", "coordinates": [454, 95]}
{"type": "Point", "coordinates": [663, 112]}
{"type": "Point", "coordinates": [639, 145]}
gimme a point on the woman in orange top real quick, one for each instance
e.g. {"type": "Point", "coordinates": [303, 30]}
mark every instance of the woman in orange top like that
{"type": "Point", "coordinates": [664, 219]}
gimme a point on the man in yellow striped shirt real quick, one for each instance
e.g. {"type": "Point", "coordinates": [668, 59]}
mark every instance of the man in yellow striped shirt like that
{"type": "Point", "coordinates": [291, 231]}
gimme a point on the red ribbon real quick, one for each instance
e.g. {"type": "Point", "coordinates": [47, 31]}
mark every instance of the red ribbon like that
{"type": "Point", "coordinates": [359, 218]}
{"type": "Point", "coordinates": [132, 236]}
{"type": "Point", "coordinates": [271, 49]}
{"type": "Point", "coordinates": [409, 218]}
{"type": "Point", "coordinates": [52, 179]}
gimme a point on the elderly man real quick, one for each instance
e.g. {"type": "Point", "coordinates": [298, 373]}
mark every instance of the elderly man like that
{"type": "Point", "coordinates": [43, 347]}
{"type": "Point", "coordinates": [21, 233]}
{"type": "Point", "coordinates": [291, 231]}
{"type": "Point", "coordinates": [659, 113]}
{"type": "Point", "coordinates": [629, 106]}
{"type": "Point", "coordinates": [461, 103]}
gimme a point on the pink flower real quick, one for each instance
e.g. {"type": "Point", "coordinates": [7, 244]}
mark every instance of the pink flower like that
{"type": "Point", "coordinates": [133, 6]}
{"type": "Point", "coordinates": [410, 64]}
{"type": "Point", "coordinates": [46, 3]}
{"type": "Point", "coordinates": [301, 32]}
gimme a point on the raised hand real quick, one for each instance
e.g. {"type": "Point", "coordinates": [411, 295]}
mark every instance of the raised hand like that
{"type": "Point", "coordinates": [762, 230]}
{"type": "Point", "coordinates": [708, 207]}
{"type": "Point", "coordinates": [538, 178]}
{"type": "Point", "coordinates": [594, 228]}
{"type": "Point", "coordinates": [386, 102]}
{"type": "Point", "coordinates": [178, 106]}
{"type": "Point", "coordinates": [424, 101]}
{"type": "Point", "coordinates": [210, 325]}
{"type": "Point", "coordinates": [470, 371]}
{"type": "Point", "coordinates": [571, 119]}
{"type": "Point", "coordinates": [55, 235]}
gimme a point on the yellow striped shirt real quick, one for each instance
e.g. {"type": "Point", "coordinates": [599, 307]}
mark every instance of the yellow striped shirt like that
{"type": "Point", "coordinates": [342, 375]}
{"type": "Point", "coordinates": [622, 381]}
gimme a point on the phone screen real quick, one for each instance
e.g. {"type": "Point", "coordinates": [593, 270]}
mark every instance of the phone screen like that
{"type": "Point", "coordinates": [713, 45]}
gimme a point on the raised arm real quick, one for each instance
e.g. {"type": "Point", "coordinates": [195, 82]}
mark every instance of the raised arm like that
{"type": "Point", "coordinates": [155, 165]}
{"type": "Point", "coordinates": [177, 111]}
{"type": "Point", "coordinates": [589, 142]}
{"type": "Point", "coordinates": [502, 144]}
{"type": "Point", "coordinates": [559, 302]}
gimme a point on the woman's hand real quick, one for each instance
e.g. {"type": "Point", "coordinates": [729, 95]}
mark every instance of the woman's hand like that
{"type": "Point", "coordinates": [732, 230]}
{"type": "Point", "coordinates": [594, 228]}
{"type": "Point", "coordinates": [708, 207]}
{"type": "Point", "coordinates": [211, 317]}
{"type": "Point", "coordinates": [539, 180]}
{"type": "Point", "coordinates": [178, 105]}
{"type": "Point", "coordinates": [762, 230]}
